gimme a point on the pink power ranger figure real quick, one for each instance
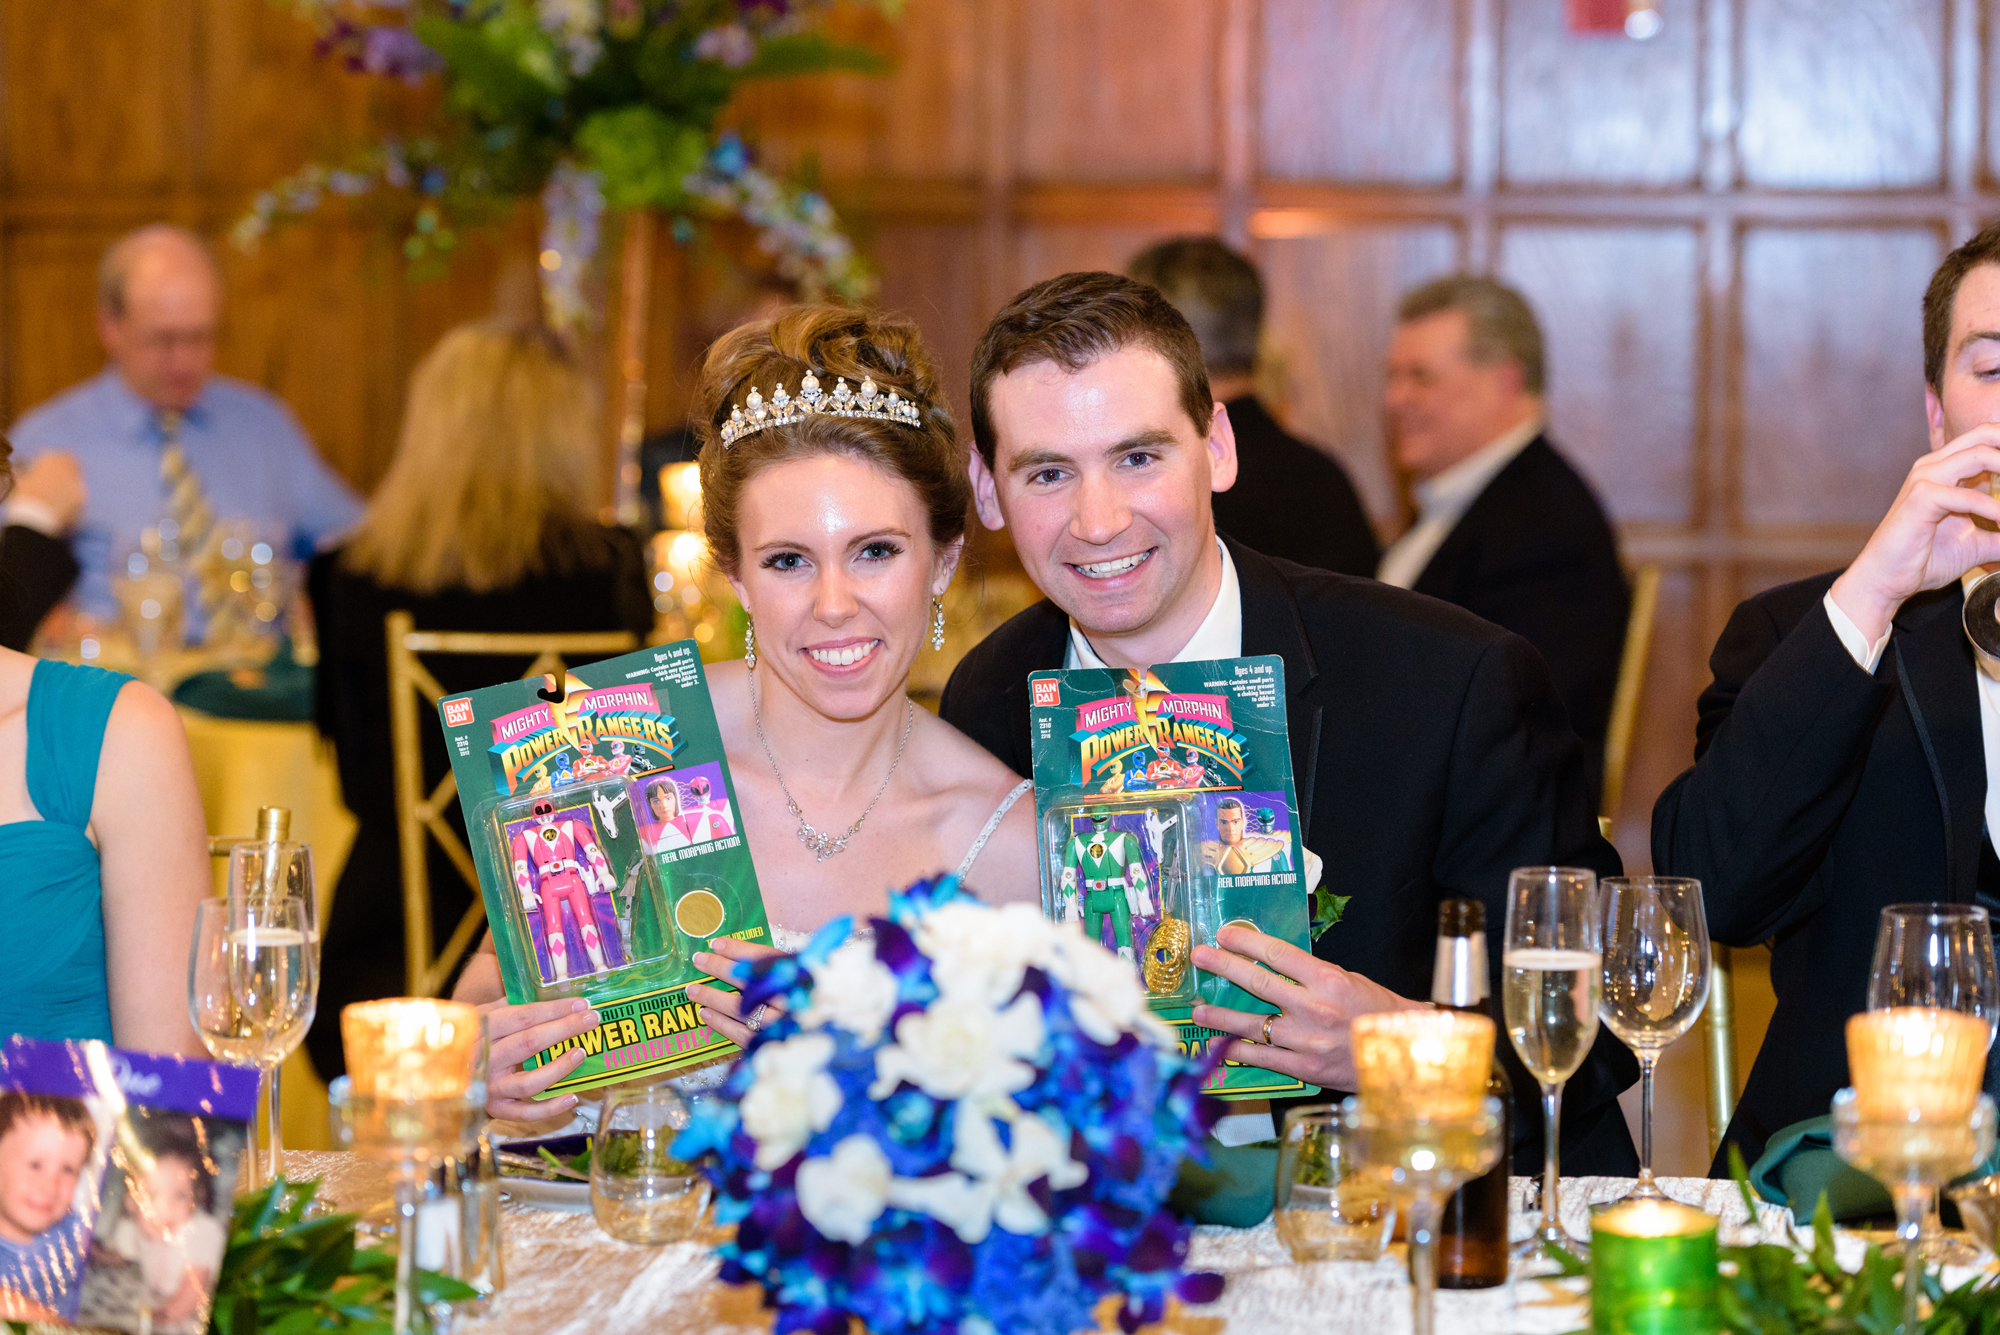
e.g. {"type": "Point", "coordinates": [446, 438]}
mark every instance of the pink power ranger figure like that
{"type": "Point", "coordinates": [699, 821]}
{"type": "Point", "coordinates": [556, 863]}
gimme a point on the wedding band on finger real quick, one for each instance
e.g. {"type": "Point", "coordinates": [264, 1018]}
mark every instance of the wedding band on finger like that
{"type": "Point", "coordinates": [1267, 1028]}
{"type": "Point", "coordinates": [756, 1020]}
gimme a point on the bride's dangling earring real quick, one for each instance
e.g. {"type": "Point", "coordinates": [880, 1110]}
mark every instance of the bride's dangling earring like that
{"type": "Point", "coordinates": [750, 644]}
{"type": "Point", "coordinates": [937, 622]}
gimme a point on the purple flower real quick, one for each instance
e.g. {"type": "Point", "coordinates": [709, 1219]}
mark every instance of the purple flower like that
{"type": "Point", "coordinates": [730, 45]}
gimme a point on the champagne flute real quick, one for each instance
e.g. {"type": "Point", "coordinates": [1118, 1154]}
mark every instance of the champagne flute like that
{"type": "Point", "coordinates": [1940, 956]}
{"type": "Point", "coordinates": [251, 983]}
{"type": "Point", "coordinates": [1554, 970]}
{"type": "Point", "coordinates": [1656, 974]}
{"type": "Point", "coordinates": [267, 871]}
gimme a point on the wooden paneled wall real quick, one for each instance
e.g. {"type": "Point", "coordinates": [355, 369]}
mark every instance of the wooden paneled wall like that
{"type": "Point", "coordinates": [1726, 230]}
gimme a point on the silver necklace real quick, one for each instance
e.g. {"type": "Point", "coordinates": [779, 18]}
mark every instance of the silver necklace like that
{"type": "Point", "coordinates": [825, 845]}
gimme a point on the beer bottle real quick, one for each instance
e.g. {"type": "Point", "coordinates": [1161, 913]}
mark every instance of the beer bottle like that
{"type": "Point", "coordinates": [1472, 1236]}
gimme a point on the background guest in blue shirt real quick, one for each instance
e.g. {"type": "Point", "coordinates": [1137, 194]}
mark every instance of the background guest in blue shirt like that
{"type": "Point", "coordinates": [159, 301]}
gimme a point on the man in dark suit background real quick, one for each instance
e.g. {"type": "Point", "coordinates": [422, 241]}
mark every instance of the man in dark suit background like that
{"type": "Point", "coordinates": [1295, 500]}
{"type": "Point", "coordinates": [37, 569]}
{"type": "Point", "coordinates": [1505, 528]}
{"type": "Point", "coordinates": [1845, 751]}
{"type": "Point", "coordinates": [1429, 751]}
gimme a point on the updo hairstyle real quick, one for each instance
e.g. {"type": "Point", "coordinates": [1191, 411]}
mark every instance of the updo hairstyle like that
{"type": "Point", "coordinates": [833, 343]}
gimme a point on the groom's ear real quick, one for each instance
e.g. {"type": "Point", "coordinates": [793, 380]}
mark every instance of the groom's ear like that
{"type": "Point", "coordinates": [985, 492]}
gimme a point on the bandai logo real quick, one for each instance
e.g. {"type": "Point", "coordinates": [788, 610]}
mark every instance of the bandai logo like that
{"type": "Point", "coordinates": [1048, 692]}
{"type": "Point", "coordinates": [457, 713]}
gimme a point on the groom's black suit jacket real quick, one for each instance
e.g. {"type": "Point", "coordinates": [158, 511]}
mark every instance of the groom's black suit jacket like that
{"type": "Point", "coordinates": [1820, 794]}
{"type": "Point", "coordinates": [1431, 758]}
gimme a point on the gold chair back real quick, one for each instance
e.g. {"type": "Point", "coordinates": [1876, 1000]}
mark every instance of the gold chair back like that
{"type": "Point", "coordinates": [419, 815]}
{"type": "Point", "coordinates": [1631, 686]}
{"type": "Point", "coordinates": [1718, 1043]}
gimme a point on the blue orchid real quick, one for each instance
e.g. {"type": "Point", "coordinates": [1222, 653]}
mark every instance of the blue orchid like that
{"type": "Point", "coordinates": [927, 1251]}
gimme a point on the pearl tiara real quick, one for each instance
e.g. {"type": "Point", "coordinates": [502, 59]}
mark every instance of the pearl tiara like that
{"type": "Point", "coordinates": [754, 415]}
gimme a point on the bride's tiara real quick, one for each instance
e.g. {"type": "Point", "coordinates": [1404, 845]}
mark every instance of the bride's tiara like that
{"type": "Point", "coordinates": [754, 415]}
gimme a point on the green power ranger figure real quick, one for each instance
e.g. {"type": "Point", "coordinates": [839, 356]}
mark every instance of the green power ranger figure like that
{"type": "Point", "coordinates": [1110, 866]}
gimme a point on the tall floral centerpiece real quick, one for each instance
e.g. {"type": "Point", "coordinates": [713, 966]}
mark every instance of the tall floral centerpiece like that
{"type": "Point", "coordinates": [969, 1123]}
{"type": "Point", "coordinates": [584, 105]}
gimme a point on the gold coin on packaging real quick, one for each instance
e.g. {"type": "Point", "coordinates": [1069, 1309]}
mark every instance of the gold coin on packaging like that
{"type": "Point", "coordinates": [698, 913]}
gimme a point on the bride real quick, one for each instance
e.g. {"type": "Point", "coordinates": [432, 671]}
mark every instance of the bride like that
{"type": "Point", "coordinates": [839, 531]}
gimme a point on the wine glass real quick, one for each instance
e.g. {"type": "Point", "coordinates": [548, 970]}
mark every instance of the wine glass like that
{"type": "Point", "coordinates": [1941, 956]}
{"type": "Point", "coordinates": [1656, 973]}
{"type": "Point", "coordinates": [1554, 970]}
{"type": "Point", "coordinates": [638, 1190]}
{"type": "Point", "coordinates": [251, 985]}
{"type": "Point", "coordinates": [1325, 1206]}
{"type": "Point", "coordinates": [1427, 1158]}
{"type": "Point", "coordinates": [268, 871]}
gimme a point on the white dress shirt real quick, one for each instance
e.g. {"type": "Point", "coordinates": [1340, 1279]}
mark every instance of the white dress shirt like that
{"type": "Point", "coordinates": [1443, 500]}
{"type": "Point", "coordinates": [1869, 656]}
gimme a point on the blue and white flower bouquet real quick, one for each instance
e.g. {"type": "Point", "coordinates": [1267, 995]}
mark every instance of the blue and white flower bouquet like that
{"type": "Point", "coordinates": [968, 1124]}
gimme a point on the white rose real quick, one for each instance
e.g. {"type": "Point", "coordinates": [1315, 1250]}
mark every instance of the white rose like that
{"type": "Point", "coordinates": [960, 1048]}
{"type": "Point", "coordinates": [1104, 991]}
{"type": "Point", "coordinates": [844, 1193]}
{"type": "Point", "coordinates": [792, 1098]}
{"type": "Point", "coordinates": [954, 1200]}
{"type": "Point", "coordinates": [1004, 1173]}
{"type": "Point", "coordinates": [979, 953]}
{"type": "Point", "coordinates": [853, 990]}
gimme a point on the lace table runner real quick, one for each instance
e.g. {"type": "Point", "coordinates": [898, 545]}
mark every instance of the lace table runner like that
{"type": "Point", "coordinates": [565, 1276]}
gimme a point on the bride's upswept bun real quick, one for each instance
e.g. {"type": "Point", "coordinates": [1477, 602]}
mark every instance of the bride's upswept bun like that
{"type": "Point", "coordinates": [833, 344]}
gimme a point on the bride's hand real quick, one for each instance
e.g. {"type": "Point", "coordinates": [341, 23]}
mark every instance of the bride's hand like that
{"type": "Point", "coordinates": [518, 1033]}
{"type": "Point", "coordinates": [722, 1010]}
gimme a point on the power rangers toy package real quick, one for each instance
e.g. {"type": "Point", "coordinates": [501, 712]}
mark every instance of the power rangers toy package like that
{"type": "Point", "coordinates": [1165, 810]}
{"type": "Point", "coordinates": [603, 827]}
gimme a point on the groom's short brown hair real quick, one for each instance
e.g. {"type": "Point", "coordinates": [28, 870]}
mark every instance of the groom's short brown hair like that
{"type": "Point", "coordinates": [1073, 320]}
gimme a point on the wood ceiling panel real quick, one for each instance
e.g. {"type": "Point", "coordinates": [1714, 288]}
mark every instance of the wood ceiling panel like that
{"type": "Point", "coordinates": [96, 94]}
{"type": "Point", "coordinates": [925, 276]}
{"type": "Point", "coordinates": [1833, 385]}
{"type": "Point", "coordinates": [1595, 108]}
{"type": "Point", "coordinates": [1330, 305]}
{"type": "Point", "coordinates": [1112, 89]}
{"type": "Point", "coordinates": [51, 296]}
{"type": "Point", "coordinates": [270, 105]}
{"type": "Point", "coordinates": [1360, 90]}
{"type": "Point", "coordinates": [1620, 315]}
{"type": "Point", "coordinates": [920, 121]}
{"type": "Point", "coordinates": [1843, 96]}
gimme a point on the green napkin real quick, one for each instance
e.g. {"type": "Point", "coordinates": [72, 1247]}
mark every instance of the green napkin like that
{"type": "Point", "coordinates": [1234, 1188]}
{"type": "Point", "coordinates": [1799, 1163]}
{"type": "Point", "coordinates": [280, 691]}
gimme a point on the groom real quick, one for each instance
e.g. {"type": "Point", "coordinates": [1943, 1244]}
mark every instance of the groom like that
{"type": "Point", "coordinates": [1430, 752]}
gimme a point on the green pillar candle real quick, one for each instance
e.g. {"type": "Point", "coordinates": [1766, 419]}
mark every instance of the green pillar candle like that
{"type": "Point", "coordinates": [1652, 1270]}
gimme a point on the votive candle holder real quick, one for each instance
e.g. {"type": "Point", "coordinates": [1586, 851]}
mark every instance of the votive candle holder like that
{"type": "Point", "coordinates": [1432, 1062]}
{"type": "Point", "coordinates": [1653, 1269]}
{"type": "Point", "coordinates": [1916, 1061]}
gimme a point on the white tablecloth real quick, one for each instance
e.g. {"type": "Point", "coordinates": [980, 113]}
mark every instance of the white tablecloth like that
{"type": "Point", "coordinates": [567, 1277]}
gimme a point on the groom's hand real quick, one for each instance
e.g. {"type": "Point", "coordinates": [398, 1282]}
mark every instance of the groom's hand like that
{"type": "Point", "coordinates": [1317, 1000]}
{"type": "Point", "coordinates": [1928, 538]}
